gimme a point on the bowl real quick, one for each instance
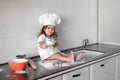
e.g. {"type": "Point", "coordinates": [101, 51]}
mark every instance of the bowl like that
{"type": "Point", "coordinates": [18, 64]}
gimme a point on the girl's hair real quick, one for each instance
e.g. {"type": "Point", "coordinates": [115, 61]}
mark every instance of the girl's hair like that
{"type": "Point", "coordinates": [54, 35]}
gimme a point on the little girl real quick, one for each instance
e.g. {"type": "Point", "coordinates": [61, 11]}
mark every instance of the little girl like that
{"type": "Point", "coordinates": [47, 40]}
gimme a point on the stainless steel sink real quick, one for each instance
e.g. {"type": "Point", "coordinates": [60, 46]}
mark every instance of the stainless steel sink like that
{"type": "Point", "coordinates": [53, 64]}
{"type": "Point", "coordinates": [88, 53]}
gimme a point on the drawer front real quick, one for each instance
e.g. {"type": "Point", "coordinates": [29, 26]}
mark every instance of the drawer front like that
{"type": "Point", "coordinates": [56, 78]}
{"type": "Point", "coordinates": [80, 74]}
{"type": "Point", "coordinates": [104, 70]}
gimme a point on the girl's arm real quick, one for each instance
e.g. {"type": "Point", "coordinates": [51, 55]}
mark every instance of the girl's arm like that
{"type": "Point", "coordinates": [42, 45]}
{"type": "Point", "coordinates": [57, 43]}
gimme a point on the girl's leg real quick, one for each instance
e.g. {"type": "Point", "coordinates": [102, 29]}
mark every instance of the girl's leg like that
{"type": "Point", "coordinates": [76, 58]}
{"type": "Point", "coordinates": [59, 56]}
{"type": "Point", "coordinates": [64, 54]}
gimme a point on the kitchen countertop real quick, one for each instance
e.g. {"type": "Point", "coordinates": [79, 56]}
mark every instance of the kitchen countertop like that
{"type": "Point", "coordinates": [43, 73]}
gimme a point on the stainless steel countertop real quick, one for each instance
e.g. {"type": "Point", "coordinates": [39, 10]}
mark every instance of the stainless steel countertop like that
{"type": "Point", "coordinates": [43, 73]}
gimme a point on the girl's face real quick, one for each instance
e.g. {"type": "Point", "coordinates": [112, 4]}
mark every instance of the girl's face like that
{"type": "Point", "coordinates": [49, 30]}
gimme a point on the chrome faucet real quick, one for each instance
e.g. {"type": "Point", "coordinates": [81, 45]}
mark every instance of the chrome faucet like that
{"type": "Point", "coordinates": [85, 42]}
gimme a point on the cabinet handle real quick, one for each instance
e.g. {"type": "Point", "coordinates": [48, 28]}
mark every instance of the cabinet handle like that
{"type": "Point", "coordinates": [76, 75]}
{"type": "Point", "coordinates": [102, 65]}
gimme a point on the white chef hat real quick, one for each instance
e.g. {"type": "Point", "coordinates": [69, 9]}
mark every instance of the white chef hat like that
{"type": "Point", "coordinates": [49, 19]}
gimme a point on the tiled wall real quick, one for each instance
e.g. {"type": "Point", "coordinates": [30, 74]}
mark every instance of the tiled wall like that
{"type": "Point", "coordinates": [19, 24]}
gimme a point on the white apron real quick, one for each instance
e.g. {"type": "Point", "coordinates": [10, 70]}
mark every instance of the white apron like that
{"type": "Point", "coordinates": [50, 50]}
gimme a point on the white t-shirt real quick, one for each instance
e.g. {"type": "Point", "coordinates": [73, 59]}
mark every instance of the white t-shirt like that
{"type": "Point", "coordinates": [50, 50]}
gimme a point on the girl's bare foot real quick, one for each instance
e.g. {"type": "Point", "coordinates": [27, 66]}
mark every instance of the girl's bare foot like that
{"type": "Point", "coordinates": [71, 56]}
{"type": "Point", "coordinates": [79, 56]}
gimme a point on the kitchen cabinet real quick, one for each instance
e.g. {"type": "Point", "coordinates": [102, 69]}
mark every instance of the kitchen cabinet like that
{"type": "Point", "coordinates": [118, 68]}
{"type": "Point", "coordinates": [56, 78]}
{"type": "Point", "coordinates": [104, 70]}
{"type": "Point", "coordinates": [80, 74]}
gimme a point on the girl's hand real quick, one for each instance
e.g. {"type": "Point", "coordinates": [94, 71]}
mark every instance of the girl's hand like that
{"type": "Point", "coordinates": [59, 43]}
{"type": "Point", "coordinates": [44, 46]}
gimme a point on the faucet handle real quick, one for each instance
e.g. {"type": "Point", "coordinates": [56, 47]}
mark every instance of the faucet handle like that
{"type": "Point", "coordinates": [85, 41]}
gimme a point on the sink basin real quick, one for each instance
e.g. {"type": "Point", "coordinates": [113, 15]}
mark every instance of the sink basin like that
{"type": "Point", "coordinates": [89, 54]}
{"type": "Point", "coordinates": [55, 64]}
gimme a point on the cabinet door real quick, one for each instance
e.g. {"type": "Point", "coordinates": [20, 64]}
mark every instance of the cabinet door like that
{"type": "Point", "coordinates": [118, 68]}
{"type": "Point", "coordinates": [80, 74]}
{"type": "Point", "coordinates": [104, 70]}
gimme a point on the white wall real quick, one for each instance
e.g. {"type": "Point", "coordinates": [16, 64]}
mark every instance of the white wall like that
{"type": "Point", "coordinates": [109, 25]}
{"type": "Point", "coordinates": [19, 24]}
